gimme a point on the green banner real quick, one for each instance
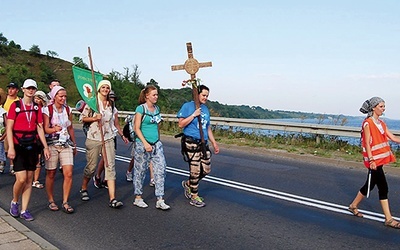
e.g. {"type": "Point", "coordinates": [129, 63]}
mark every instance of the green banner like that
{"type": "Point", "coordinates": [84, 84]}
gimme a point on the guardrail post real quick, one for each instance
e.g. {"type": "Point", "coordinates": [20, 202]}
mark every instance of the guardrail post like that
{"type": "Point", "coordinates": [318, 139]}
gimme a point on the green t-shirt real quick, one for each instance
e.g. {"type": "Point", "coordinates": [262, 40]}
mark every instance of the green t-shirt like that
{"type": "Point", "coordinates": [149, 126]}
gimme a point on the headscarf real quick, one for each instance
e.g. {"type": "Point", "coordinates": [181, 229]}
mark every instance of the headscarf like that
{"type": "Point", "coordinates": [54, 91]}
{"type": "Point", "coordinates": [368, 105]}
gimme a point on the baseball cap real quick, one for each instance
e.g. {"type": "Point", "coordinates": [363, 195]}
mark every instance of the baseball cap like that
{"type": "Point", "coordinates": [12, 85]}
{"type": "Point", "coordinates": [29, 83]}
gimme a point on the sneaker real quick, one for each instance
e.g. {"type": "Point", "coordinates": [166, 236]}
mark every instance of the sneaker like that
{"type": "Point", "coordinates": [188, 193]}
{"type": "Point", "coordinates": [129, 176]}
{"type": "Point", "coordinates": [12, 170]}
{"type": "Point", "coordinates": [140, 203]}
{"type": "Point", "coordinates": [97, 182]}
{"type": "Point", "coordinates": [14, 209]}
{"type": "Point", "coordinates": [152, 183]}
{"type": "Point", "coordinates": [104, 184]}
{"type": "Point", "coordinates": [1, 167]}
{"type": "Point", "coordinates": [160, 204]}
{"type": "Point", "coordinates": [197, 202]}
{"type": "Point", "coordinates": [26, 216]}
{"type": "Point", "coordinates": [60, 168]}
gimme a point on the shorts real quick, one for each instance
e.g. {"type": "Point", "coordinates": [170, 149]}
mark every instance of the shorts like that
{"type": "Point", "coordinates": [64, 155]}
{"type": "Point", "coordinates": [26, 159]}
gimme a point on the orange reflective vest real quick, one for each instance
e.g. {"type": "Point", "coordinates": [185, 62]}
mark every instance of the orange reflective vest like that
{"type": "Point", "coordinates": [379, 144]}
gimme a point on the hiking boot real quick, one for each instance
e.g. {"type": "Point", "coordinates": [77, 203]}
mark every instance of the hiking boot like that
{"type": "Point", "coordinates": [140, 203]}
{"type": "Point", "coordinates": [197, 202]}
{"type": "Point", "coordinates": [14, 209]}
{"type": "Point", "coordinates": [152, 183]}
{"type": "Point", "coordinates": [129, 176]}
{"type": "Point", "coordinates": [26, 216]}
{"type": "Point", "coordinates": [160, 204]}
{"type": "Point", "coordinates": [187, 192]}
{"type": "Point", "coordinates": [97, 182]}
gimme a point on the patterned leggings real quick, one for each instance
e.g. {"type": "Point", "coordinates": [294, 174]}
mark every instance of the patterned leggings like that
{"type": "Point", "coordinates": [199, 166]}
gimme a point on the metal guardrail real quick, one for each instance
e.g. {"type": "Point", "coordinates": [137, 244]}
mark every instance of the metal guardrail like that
{"type": "Point", "coordinates": [308, 128]}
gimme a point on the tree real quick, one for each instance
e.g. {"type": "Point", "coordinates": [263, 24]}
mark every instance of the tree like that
{"type": "Point", "coordinates": [12, 44]}
{"type": "Point", "coordinates": [50, 53]}
{"type": "Point", "coordinates": [35, 50]}
{"type": "Point", "coordinates": [3, 39]}
{"type": "Point", "coordinates": [79, 62]}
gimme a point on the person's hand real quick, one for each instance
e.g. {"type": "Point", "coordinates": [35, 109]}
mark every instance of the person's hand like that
{"type": "Point", "coordinates": [148, 147]}
{"type": "Point", "coordinates": [197, 112]}
{"type": "Point", "coordinates": [372, 165]}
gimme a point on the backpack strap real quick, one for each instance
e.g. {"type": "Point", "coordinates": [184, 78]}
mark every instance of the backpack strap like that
{"type": "Point", "coordinates": [51, 110]}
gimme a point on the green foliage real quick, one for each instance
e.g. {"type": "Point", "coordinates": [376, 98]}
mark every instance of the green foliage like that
{"type": "Point", "coordinates": [51, 53]}
{"type": "Point", "coordinates": [35, 50]}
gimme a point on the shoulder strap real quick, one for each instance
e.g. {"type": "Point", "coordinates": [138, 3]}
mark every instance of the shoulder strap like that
{"type": "Point", "coordinates": [51, 109]}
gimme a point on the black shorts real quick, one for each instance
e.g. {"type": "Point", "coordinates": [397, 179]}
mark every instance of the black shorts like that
{"type": "Point", "coordinates": [26, 158]}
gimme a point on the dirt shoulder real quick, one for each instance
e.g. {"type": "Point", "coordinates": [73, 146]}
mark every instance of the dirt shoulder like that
{"type": "Point", "coordinates": [340, 163]}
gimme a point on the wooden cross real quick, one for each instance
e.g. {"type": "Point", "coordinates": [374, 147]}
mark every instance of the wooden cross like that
{"type": "Point", "coordinates": [192, 66]}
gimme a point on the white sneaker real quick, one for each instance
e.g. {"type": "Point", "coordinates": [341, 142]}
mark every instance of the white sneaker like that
{"type": "Point", "coordinates": [160, 204]}
{"type": "Point", "coordinates": [129, 176]}
{"type": "Point", "coordinates": [152, 183]}
{"type": "Point", "coordinates": [140, 203]}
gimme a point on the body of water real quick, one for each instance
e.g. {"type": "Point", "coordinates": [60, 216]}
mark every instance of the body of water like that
{"type": "Point", "coordinates": [343, 121]}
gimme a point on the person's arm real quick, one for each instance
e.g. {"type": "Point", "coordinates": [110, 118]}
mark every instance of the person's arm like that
{"type": "Point", "coordinates": [212, 140]}
{"type": "Point", "coordinates": [71, 132]}
{"type": "Point", "coordinates": [118, 127]}
{"type": "Point", "coordinates": [183, 122]}
{"type": "Point", "coordinates": [392, 137]}
{"type": "Point", "coordinates": [367, 139]}
{"type": "Point", "coordinates": [138, 131]}
{"type": "Point", "coordinates": [10, 139]}
{"type": "Point", "coordinates": [40, 131]}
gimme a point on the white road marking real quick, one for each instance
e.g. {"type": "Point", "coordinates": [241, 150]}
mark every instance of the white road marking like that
{"type": "Point", "coordinates": [271, 193]}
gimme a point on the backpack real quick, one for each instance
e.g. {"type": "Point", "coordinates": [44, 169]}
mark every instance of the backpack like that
{"type": "Point", "coordinates": [128, 130]}
{"type": "Point", "coordinates": [28, 138]}
{"type": "Point", "coordinates": [80, 105]}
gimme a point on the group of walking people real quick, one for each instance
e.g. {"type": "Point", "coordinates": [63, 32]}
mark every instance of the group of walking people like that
{"type": "Point", "coordinates": [45, 129]}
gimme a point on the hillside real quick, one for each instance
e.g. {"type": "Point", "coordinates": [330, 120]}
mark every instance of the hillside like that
{"type": "Point", "coordinates": [16, 65]}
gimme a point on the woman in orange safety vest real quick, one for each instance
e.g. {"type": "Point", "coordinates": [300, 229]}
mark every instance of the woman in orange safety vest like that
{"type": "Point", "coordinates": [376, 152]}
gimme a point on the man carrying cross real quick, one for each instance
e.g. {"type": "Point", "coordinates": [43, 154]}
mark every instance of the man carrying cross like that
{"type": "Point", "coordinates": [196, 152]}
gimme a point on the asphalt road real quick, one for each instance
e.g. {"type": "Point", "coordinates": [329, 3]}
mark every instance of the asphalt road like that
{"type": "Point", "coordinates": [254, 201]}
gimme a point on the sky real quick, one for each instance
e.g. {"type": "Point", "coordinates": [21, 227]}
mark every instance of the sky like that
{"type": "Point", "coordinates": [311, 56]}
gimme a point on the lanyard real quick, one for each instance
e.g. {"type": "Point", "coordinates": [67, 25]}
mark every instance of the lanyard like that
{"type": "Point", "coordinates": [28, 118]}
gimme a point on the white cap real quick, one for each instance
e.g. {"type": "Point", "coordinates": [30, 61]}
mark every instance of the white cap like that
{"type": "Point", "coordinates": [29, 83]}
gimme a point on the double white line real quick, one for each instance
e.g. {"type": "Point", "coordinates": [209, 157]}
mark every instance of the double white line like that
{"type": "Point", "coordinates": [271, 193]}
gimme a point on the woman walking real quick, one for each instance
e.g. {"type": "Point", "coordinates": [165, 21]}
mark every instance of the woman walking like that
{"type": "Point", "coordinates": [62, 146]}
{"type": "Point", "coordinates": [148, 147]}
{"type": "Point", "coordinates": [376, 152]}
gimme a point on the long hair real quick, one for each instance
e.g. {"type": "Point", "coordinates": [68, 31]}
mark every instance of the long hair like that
{"type": "Point", "coordinates": [144, 92]}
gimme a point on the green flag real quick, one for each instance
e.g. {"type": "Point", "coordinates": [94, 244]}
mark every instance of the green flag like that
{"type": "Point", "coordinates": [84, 84]}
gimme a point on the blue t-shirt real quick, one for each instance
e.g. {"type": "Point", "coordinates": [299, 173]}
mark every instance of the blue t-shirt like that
{"type": "Point", "coordinates": [149, 126]}
{"type": "Point", "coordinates": [192, 129]}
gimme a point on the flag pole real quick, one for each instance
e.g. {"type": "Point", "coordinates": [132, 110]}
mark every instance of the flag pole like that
{"type": "Point", "coordinates": [104, 153]}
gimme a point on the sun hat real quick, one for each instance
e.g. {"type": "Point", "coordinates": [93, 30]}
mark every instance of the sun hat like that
{"type": "Point", "coordinates": [103, 82]}
{"type": "Point", "coordinates": [42, 96]}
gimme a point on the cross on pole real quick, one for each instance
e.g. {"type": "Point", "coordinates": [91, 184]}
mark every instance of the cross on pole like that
{"type": "Point", "coordinates": [192, 66]}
